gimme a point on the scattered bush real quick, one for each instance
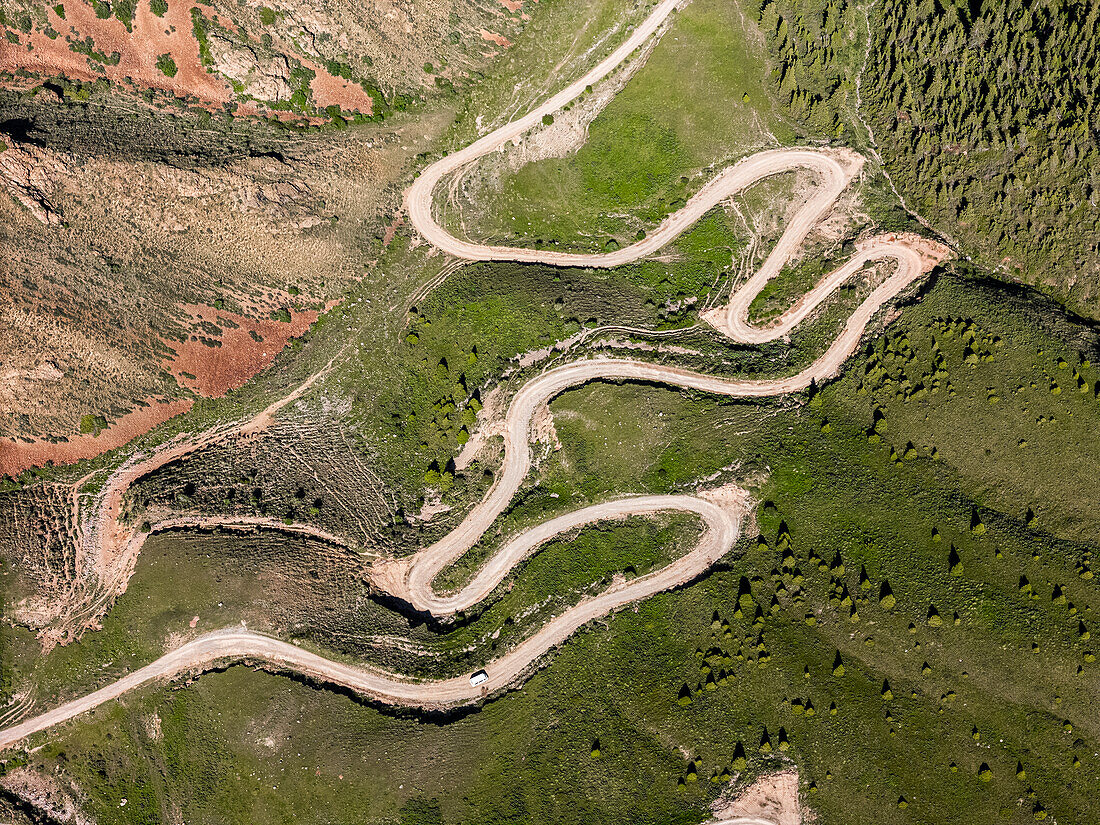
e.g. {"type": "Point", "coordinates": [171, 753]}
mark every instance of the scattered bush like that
{"type": "Point", "coordinates": [167, 65]}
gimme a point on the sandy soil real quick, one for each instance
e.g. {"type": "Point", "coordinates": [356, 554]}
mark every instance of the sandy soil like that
{"type": "Point", "coordinates": [240, 356]}
{"type": "Point", "coordinates": [772, 799]}
{"type": "Point", "coordinates": [16, 456]}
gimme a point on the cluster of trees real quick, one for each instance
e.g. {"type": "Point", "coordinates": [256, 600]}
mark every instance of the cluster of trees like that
{"type": "Point", "coordinates": [989, 120]}
{"type": "Point", "coordinates": [725, 773]}
{"type": "Point", "coordinates": [811, 43]}
{"type": "Point", "coordinates": [829, 577]}
{"type": "Point", "coordinates": [986, 115]}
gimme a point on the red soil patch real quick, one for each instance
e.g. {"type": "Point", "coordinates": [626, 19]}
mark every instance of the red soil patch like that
{"type": "Point", "coordinates": [512, 5]}
{"type": "Point", "coordinates": [139, 49]}
{"type": "Point", "coordinates": [17, 456]}
{"type": "Point", "coordinates": [329, 90]}
{"type": "Point", "coordinates": [498, 39]}
{"type": "Point", "coordinates": [217, 370]}
{"type": "Point", "coordinates": [151, 37]}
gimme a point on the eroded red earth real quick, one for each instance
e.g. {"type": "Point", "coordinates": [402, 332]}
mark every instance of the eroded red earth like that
{"type": "Point", "coordinates": [17, 456]}
{"type": "Point", "coordinates": [209, 363]}
{"type": "Point", "coordinates": [138, 52]}
{"type": "Point", "coordinates": [246, 347]}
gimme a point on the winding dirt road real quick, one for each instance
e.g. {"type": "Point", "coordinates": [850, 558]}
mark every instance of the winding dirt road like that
{"type": "Point", "coordinates": [720, 510]}
{"type": "Point", "coordinates": [107, 547]}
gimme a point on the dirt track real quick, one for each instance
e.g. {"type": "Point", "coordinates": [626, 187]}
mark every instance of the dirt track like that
{"type": "Point", "coordinates": [108, 548]}
{"type": "Point", "coordinates": [721, 510]}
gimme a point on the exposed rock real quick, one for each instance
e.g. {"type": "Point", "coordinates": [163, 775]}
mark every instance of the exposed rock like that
{"type": "Point", "coordinates": [266, 77]}
{"type": "Point", "coordinates": [46, 796]}
{"type": "Point", "coordinates": [28, 173]}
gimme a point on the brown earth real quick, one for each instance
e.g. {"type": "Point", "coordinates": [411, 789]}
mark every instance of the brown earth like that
{"type": "Point", "coordinates": [151, 37]}
{"type": "Point", "coordinates": [17, 456]}
{"type": "Point", "coordinates": [217, 370]}
{"type": "Point", "coordinates": [139, 49]}
{"type": "Point", "coordinates": [498, 39]}
{"type": "Point", "coordinates": [772, 798]}
{"type": "Point", "coordinates": [329, 90]}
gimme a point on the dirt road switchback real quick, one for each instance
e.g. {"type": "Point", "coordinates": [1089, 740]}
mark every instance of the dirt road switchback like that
{"type": "Point", "coordinates": [719, 511]}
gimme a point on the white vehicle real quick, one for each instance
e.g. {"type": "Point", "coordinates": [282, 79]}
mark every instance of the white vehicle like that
{"type": "Point", "coordinates": [479, 678]}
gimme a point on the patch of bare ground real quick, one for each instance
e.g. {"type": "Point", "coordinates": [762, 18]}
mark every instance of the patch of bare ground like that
{"type": "Point", "coordinates": [490, 426]}
{"type": "Point", "coordinates": [495, 38]}
{"type": "Point", "coordinates": [17, 456]}
{"type": "Point", "coordinates": [773, 798]}
{"type": "Point", "coordinates": [542, 428]}
{"type": "Point", "coordinates": [138, 50]}
{"type": "Point", "coordinates": [622, 343]}
{"type": "Point", "coordinates": [329, 90]}
{"type": "Point", "coordinates": [211, 365]}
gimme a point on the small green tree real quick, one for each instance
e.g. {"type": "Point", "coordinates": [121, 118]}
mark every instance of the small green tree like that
{"type": "Point", "coordinates": [977, 526]}
{"type": "Point", "coordinates": [765, 741]}
{"type": "Point", "coordinates": [167, 65]}
{"type": "Point", "coordinates": [954, 563]}
{"type": "Point", "coordinates": [684, 698]}
{"type": "Point", "coordinates": [739, 762]}
{"type": "Point", "coordinates": [838, 665]}
{"type": "Point", "coordinates": [886, 598]}
{"type": "Point", "coordinates": [934, 619]}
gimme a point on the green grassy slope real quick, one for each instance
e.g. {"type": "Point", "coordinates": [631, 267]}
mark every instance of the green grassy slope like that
{"type": "Point", "coordinates": [963, 625]}
{"type": "Point", "coordinates": [909, 621]}
{"type": "Point", "coordinates": [699, 100]}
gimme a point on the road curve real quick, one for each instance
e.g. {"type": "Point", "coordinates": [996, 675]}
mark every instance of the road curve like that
{"type": "Point", "coordinates": [235, 644]}
{"type": "Point", "coordinates": [107, 547]}
{"type": "Point", "coordinates": [721, 511]}
{"type": "Point", "coordinates": [410, 579]}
